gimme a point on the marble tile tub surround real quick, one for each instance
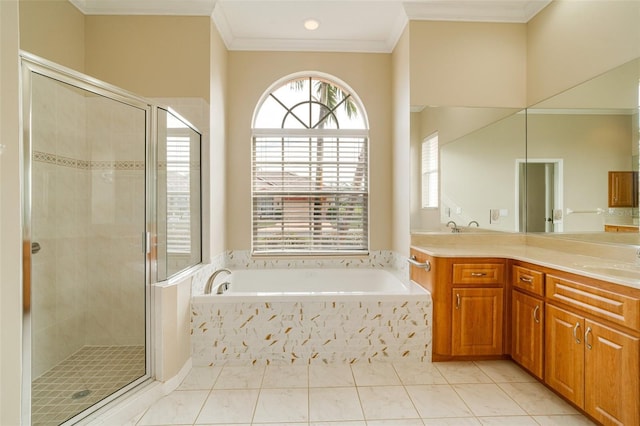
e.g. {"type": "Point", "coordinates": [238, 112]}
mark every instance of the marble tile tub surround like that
{"type": "Point", "coordinates": [310, 332]}
{"type": "Point", "coordinates": [306, 332]}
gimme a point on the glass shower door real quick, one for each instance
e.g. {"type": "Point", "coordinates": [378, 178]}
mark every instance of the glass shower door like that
{"type": "Point", "coordinates": [87, 221]}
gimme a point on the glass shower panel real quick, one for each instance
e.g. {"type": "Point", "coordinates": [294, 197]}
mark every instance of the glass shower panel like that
{"type": "Point", "coordinates": [88, 287]}
{"type": "Point", "coordinates": [179, 242]}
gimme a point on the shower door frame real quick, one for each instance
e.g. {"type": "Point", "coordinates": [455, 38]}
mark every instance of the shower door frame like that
{"type": "Point", "coordinates": [32, 64]}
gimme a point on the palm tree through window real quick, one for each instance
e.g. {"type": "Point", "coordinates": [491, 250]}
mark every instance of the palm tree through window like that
{"type": "Point", "coordinates": [310, 170]}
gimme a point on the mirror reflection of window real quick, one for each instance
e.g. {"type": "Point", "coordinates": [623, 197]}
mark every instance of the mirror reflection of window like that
{"type": "Point", "coordinates": [430, 172]}
{"type": "Point", "coordinates": [178, 188]}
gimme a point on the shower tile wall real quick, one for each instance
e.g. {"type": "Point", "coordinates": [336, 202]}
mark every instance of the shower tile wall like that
{"type": "Point", "coordinates": [115, 290]}
{"type": "Point", "coordinates": [59, 223]}
{"type": "Point", "coordinates": [85, 151]}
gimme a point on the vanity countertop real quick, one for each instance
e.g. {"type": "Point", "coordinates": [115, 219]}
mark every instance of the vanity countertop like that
{"type": "Point", "coordinates": [615, 264]}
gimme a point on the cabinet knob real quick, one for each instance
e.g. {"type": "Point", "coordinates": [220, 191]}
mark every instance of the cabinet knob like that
{"type": "Point", "coordinates": [457, 300]}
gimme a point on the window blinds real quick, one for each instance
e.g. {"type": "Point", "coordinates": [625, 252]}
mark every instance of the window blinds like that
{"type": "Point", "coordinates": [310, 194]}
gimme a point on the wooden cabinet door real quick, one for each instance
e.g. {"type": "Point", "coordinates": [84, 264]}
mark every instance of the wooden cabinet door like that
{"type": "Point", "coordinates": [477, 321]}
{"type": "Point", "coordinates": [612, 383]}
{"type": "Point", "coordinates": [623, 190]}
{"type": "Point", "coordinates": [564, 353]}
{"type": "Point", "coordinates": [527, 332]}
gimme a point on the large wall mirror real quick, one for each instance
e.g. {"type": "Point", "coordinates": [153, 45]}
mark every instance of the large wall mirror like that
{"type": "Point", "coordinates": [566, 166]}
{"type": "Point", "coordinates": [584, 142]}
{"type": "Point", "coordinates": [478, 151]}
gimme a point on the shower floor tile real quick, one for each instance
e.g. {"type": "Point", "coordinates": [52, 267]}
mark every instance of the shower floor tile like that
{"type": "Point", "coordinates": [83, 379]}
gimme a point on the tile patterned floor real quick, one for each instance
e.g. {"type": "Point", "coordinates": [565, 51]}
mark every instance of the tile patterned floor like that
{"type": "Point", "coordinates": [101, 370]}
{"type": "Point", "coordinates": [399, 394]}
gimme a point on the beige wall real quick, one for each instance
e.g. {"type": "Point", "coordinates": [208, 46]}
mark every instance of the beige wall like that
{"type": "Point", "coordinates": [569, 42]}
{"type": "Point", "coordinates": [10, 232]}
{"type": "Point", "coordinates": [400, 198]}
{"type": "Point", "coordinates": [54, 30]}
{"type": "Point", "coordinates": [216, 151]}
{"type": "Point", "coordinates": [153, 56]}
{"type": "Point", "coordinates": [252, 73]}
{"type": "Point", "coordinates": [468, 64]}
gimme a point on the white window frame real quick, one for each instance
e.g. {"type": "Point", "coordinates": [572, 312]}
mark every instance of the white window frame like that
{"type": "Point", "coordinates": [321, 241]}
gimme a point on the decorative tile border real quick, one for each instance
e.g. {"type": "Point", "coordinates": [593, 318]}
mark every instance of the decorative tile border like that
{"type": "Point", "coordinates": [58, 160]}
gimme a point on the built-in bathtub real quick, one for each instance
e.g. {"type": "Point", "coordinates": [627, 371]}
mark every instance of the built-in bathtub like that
{"type": "Point", "coordinates": [329, 315]}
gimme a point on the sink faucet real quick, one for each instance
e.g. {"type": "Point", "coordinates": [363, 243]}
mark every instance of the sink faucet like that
{"type": "Point", "coordinates": [474, 222]}
{"type": "Point", "coordinates": [454, 228]}
{"type": "Point", "coordinates": [212, 278]}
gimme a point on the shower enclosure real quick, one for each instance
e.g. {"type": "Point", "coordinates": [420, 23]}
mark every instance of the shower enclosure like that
{"type": "Point", "coordinates": [87, 262]}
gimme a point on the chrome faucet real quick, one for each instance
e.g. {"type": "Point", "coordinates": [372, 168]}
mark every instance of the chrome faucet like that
{"type": "Point", "coordinates": [474, 222]}
{"type": "Point", "coordinates": [212, 278]}
{"type": "Point", "coordinates": [454, 228]}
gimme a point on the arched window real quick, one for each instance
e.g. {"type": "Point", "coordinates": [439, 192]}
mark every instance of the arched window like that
{"type": "Point", "coordinates": [310, 169]}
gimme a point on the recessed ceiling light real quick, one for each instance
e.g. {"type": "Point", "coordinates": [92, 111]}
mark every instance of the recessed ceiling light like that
{"type": "Point", "coordinates": [311, 24]}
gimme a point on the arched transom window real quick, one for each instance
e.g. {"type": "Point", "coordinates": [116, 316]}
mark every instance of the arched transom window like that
{"type": "Point", "coordinates": [310, 170]}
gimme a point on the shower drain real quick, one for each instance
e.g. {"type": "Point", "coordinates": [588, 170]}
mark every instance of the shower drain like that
{"type": "Point", "coordinates": [80, 394]}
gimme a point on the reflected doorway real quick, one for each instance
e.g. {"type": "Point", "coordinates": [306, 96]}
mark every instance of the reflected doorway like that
{"type": "Point", "coordinates": [540, 195]}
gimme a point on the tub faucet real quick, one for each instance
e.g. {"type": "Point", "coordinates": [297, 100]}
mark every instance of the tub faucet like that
{"type": "Point", "coordinates": [474, 222]}
{"type": "Point", "coordinates": [212, 278]}
{"type": "Point", "coordinates": [454, 228]}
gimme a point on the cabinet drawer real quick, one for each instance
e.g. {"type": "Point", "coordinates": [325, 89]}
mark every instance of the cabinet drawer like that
{"type": "Point", "coordinates": [529, 280]}
{"type": "Point", "coordinates": [478, 273]}
{"type": "Point", "coordinates": [617, 308]}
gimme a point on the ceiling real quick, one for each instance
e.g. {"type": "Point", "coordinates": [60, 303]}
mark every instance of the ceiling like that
{"type": "Point", "coordinates": [345, 25]}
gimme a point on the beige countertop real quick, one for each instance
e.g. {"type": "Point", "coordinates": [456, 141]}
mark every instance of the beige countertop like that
{"type": "Point", "coordinates": [607, 262]}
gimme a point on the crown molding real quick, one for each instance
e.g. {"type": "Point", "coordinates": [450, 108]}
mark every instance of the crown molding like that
{"type": "Point", "coordinates": [513, 11]}
{"type": "Point", "coordinates": [156, 7]}
{"type": "Point", "coordinates": [517, 11]}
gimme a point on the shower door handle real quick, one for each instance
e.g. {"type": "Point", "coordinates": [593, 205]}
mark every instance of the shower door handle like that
{"type": "Point", "coordinates": [35, 247]}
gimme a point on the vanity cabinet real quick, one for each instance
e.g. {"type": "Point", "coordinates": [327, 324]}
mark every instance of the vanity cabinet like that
{"type": "Point", "coordinates": [527, 336]}
{"type": "Point", "coordinates": [590, 358]}
{"type": "Point", "coordinates": [478, 306]}
{"type": "Point", "coordinates": [527, 318]}
{"type": "Point", "coordinates": [579, 335]}
{"type": "Point", "coordinates": [468, 305]}
{"type": "Point", "coordinates": [623, 189]}
{"type": "Point", "coordinates": [477, 321]}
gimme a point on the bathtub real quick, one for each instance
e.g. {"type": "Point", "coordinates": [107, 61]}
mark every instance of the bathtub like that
{"type": "Point", "coordinates": [307, 316]}
{"type": "Point", "coordinates": [314, 282]}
